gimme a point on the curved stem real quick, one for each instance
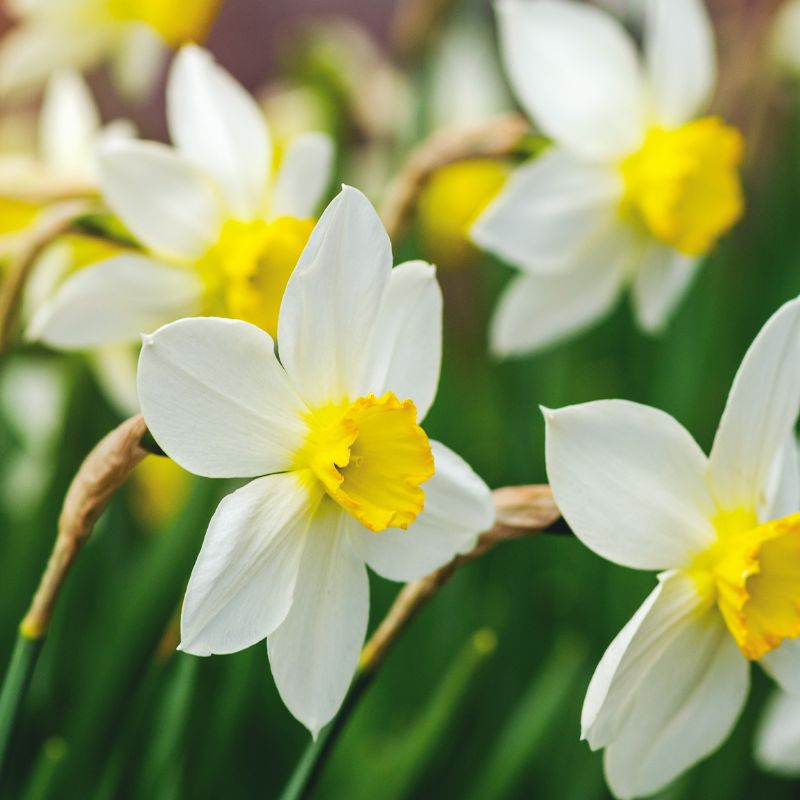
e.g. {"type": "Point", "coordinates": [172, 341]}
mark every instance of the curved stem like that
{"type": "Point", "coordinates": [497, 138]}
{"type": "Point", "coordinates": [15, 686]}
{"type": "Point", "coordinates": [102, 473]}
{"type": "Point", "coordinates": [59, 222]}
{"type": "Point", "coordinates": [521, 511]}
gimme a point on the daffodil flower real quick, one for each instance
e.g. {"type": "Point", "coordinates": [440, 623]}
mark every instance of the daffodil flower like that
{"type": "Point", "coordinates": [725, 533]}
{"type": "Point", "coordinates": [222, 230]}
{"type": "Point", "coordinates": [635, 189]}
{"type": "Point", "coordinates": [80, 34]}
{"type": "Point", "coordinates": [330, 431]}
{"type": "Point", "coordinates": [63, 163]}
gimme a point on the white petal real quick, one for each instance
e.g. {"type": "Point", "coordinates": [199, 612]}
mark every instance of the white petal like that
{"type": "Point", "coordinates": [30, 54]}
{"type": "Point", "coordinates": [69, 123]}
{"type": "Point", "coordinates": [535, 311]}
{"type": "Point", "coordinates": [115, 301]}
{"type": "Point", "coordinates": [679, 48]}
{"type": "Point", "coordinates": [242, 585]}
{"type": "Point", "coordinates": [633, 653]}
{"type": "Point", "coordinates": [549, 212]}
{"type": "Point", "coordinates": [138, 61]}
{"type": "Point", "coordinates": [303, 177]}
{"type": "Point", "coordinates": [777, 746]}
{"type": "Point", "coordinates": [216, 399]}
{"type": "Point", "coordinates": [686, 705]}
{"type": "Point", "coordinates": [405, 353]}
{"type": "Point", "coordinates": [663, 277]}
{"type": "Point", "coordinates": [160, 196]}
{"type": "Point", "coordinates": [576, 72]}
{"type": "Point", "coordinates": [783, 484]}
{"type": "Point", "coordinates": [331, 302]}
{"type": "Point", "coordinates": [630, 482]}
{"type": "Point", "coordinates": [458, 508]}
{"type": "Point", "coordinates": [114, 368]}
{"type": "Point", "coordinates": [760, 413]}
{"type": "Point", "coordinates": [314, 652]}
{"type": "Point", "coordinates": [220, 128]}
{"type": "Point", "coordinates": [783, 664]}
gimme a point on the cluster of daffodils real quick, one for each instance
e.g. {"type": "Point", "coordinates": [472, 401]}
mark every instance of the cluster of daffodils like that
{"type": "Point", "coordinates": [724, 531]}
{"type": "Point", "coordinates": [290, 352]}
{"type": "Point", "coordinates": [636, 187]}
{"type": "Point", "coordinates": [79, 34]}
{"type": "Point", "coordinates": [329, 428]}
{"type": "Point", "coordinates": [221, 228]}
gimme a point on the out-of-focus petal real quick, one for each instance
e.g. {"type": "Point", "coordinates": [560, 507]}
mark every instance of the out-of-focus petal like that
{"type": "Point", "coordinates": [550, 211]}
{"type": "Point", "coordinates": [576, 71]}
{"type": "Point", "coordinates": [115, 301]}
{"type": "Point", "coordinates": [160, 196]}
{"type": "Point", "coordinates": [303, 176]}
{"type": "Point", "coordinates": [536, 311]}
{"type": "Point", "coordinates": [663, 278]}
{"type": "Point", "coordinates": [777, 747]}
{"type": "Point", "coordinates": [69, 123]}
{"type": "Point", "coordinates": [681, 62]}
{"type": "Point", "coordinates": [217, 125]}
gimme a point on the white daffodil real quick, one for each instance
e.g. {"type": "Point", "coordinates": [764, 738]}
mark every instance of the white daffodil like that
{"type": "Point", "coordinates": [132, 34]}
{"type": "Point", "coordinates": [62, 164]}
{"type": "Point", "coordinates": [777, 747]}
{"type": "Point", "coordinates": [635, 188]}
{"type": "Point", "coordinates": [725, 531]}
{"type": "Point", "coordinates": [344, 475]}
{"type": "Point", "coordinates": [222, 232]}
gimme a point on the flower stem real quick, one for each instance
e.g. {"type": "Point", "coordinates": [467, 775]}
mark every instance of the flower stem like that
{"type": "Point", "coordinates": [521, 511]}
{"type": "Point", "coordinates": [15, 686]}
{"type": "Point", "coordinates": [58, 223]}
{"type": "Point", "coordinates": [102, 473]}
{"type": "Point", "coordinates": [498, 137]}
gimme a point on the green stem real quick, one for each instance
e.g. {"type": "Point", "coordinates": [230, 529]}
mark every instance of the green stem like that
{"type": "Point", "coordinates": [309, 768]}
{"type": "Point", "coordinates": [15, 687]}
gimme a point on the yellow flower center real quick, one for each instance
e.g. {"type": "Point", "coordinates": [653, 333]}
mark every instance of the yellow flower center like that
{"type": "Point", "coordinates": [449, 205]}
{"type": "Point", "coordinates": [754, 572]}
{"type": "Point", "coordinates": [175, 22]}
{"type": "Point", "coordinates": [371, 457]}
{"type": "Point", "coordinates": [683, 185]}
{"type": "Point", "coordinates": [246, 271]}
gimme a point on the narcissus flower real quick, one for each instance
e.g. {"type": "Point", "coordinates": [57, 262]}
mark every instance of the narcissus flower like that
{"type": "Point", "coordinates": [221, 228]}
{"type": "Point", "coordinates": [62, 164]}
{"type": "Point", "coordinates": [635, 189]}
{"type": "Point", "coordinates": [330, 430]}
{"type": "Point", "coordinates": [132, 34]}
{"type": "Point", "coordinates": [725, 531]}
